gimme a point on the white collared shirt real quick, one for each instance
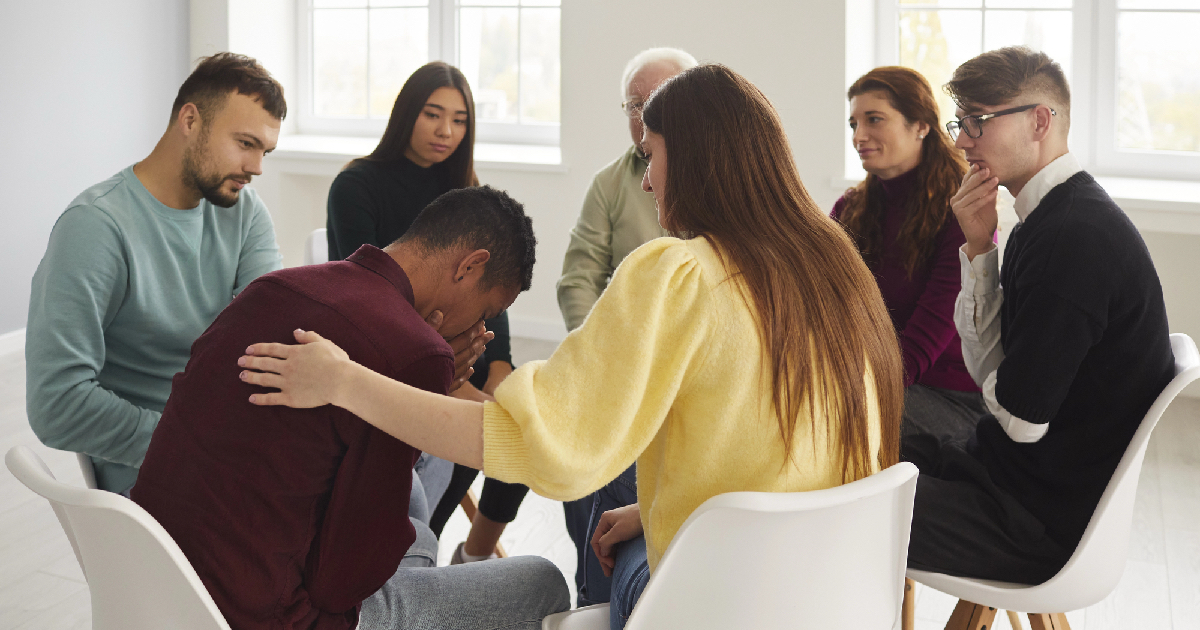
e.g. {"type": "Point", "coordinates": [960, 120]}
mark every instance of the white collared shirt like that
{"type": "Point", "coordinates": [977, 309]}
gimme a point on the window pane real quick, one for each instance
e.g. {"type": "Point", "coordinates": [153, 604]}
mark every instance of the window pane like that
{"type": "Point", "coordinates": [488, 58]}
{"type": "Point", "coordinates": [1047, 31]}
{"type": "Point", "coordinates": [339, 4]}
{"type": "Point", "coordinates": [399, 45]}
{"type": "Point", "coordinates": [539, 65]}
{"type": "Point", "coordinates": [541, 3]}
{"type": "Point", "coordinates": [934, 43]}
{"type": "Point", "coordinates": [489, 3]}
{"type": "Point", "coordinates": [1159, 4]}
{"type": "Point", "coordinates": [942, 4]}
{"type": "Point", "coordinates": [1029, 4]}
{"type": "Point", "coordinates": [340, 62]}
{"type": "Point", "coordinates": [1158, 81]}
{"type": "Point", "coordinates": [399, 3]}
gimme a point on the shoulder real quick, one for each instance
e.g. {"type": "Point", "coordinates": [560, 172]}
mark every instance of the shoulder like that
{"type": "Point", "coordinates": [671, 261]}
{"type": "Point", "coordinates": [841, 202]}
{"type": "Point", "coordinates": [357, 174]}
{"type": "Point", "coordinates": [627, 166]}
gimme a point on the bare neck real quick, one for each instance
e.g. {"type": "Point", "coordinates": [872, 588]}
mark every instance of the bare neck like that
{"type": "Point", "coordinates": [161, 173]}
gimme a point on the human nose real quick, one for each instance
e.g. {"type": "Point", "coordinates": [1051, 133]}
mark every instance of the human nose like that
{"type": "Point", "coordinates": [646, 187]}
{"type": "Point", "coordinates": [254, 167]}
{"type": "Point", "coordinates": [859, 136]}
{"type": "Point", "coordinates": [443, 129]}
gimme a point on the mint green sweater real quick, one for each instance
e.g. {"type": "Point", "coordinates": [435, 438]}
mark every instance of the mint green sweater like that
{"type": "Point", "coordinates": [126, 285]}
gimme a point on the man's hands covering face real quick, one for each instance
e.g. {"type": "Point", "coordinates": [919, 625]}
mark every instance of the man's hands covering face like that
{"type": "Point", "coordinates": [468, 347]}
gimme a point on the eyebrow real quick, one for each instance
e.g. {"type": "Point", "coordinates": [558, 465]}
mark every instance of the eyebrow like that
{"type": "Point", "coordinates": [255, 140]}
{"type": "Point", "coordinates": [435, 105]}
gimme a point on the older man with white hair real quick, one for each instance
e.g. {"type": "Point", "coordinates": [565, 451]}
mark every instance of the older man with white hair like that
{"type": "Point", "coordinates": [617, 217]}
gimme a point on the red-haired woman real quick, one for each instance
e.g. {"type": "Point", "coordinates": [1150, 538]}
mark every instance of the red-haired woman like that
{"type": "Point", "coordinates": [900, 219]}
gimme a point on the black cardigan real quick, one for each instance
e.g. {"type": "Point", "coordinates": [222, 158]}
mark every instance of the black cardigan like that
{"type": "Point", "coordinates": [1086, 350]}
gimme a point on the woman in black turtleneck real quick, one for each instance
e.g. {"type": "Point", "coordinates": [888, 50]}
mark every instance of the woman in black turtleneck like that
{"type": "Point", "coordinates": [426, 150]}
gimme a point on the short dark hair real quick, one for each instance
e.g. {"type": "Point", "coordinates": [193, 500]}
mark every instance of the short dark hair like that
{"type": "Point", "coordinates": [999, 76]}
{"type": "Point", "coordinates": [480, 217]}
{"type": "Point", "coordinates": [217, 76]}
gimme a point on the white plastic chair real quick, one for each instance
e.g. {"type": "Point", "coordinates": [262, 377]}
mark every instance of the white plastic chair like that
{"type": "Point", "coordinates": [138, 577]}
{"type": "Point", "coordinates": [1098, 562]}
{"type": "Point", "coordinates": [316, 248]}
{"type": "Point", "coordinates": [89, 470]}
{"type": "Point", "coordinates": [823, 559]}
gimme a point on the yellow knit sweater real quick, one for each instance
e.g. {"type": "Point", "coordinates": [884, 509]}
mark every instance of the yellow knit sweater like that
{"type": "Point", "coordinates": [667, 370]}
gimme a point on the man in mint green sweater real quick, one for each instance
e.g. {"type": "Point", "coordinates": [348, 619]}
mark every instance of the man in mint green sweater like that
{"type": "Point", "coordinates": [140, 264]}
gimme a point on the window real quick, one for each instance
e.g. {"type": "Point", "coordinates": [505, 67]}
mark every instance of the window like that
{"type": "Point", "coordinates": [1133, 66]}
{"type": "Point", "coordinates": [356, 55]}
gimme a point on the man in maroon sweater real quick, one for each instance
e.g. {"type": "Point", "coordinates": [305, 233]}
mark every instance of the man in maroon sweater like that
{"type": "Point", "coordinates": [297, 518]}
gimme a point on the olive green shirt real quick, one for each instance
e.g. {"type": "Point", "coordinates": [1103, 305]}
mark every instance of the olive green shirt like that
{"type": "Point", "coordinates": [617, 217]}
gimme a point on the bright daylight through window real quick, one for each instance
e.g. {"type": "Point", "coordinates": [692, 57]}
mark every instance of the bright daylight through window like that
{"type": "Point", "coordinates": [360, 52]}
{"type": "Point", "coordinates": [1142, 62]}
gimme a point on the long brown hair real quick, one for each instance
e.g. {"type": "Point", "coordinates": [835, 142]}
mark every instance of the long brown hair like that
{"type": "Point", "coordinates": [458, 170]}
{"type": "Point", "coordinates": [938, 174]}
{"type": "Point", "coordinates": [731, 179]}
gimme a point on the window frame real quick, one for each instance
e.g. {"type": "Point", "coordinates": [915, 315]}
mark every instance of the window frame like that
{"type": "Point", "coordinates": [443, 46]}
{"type": "Point", "coordinates": [1094, 70]}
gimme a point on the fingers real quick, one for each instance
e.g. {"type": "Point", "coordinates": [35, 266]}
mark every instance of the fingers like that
{"type": "Point", "coordinates": [262, 379]}
{"type": "Point", "coordinates": [458, 382]}
{"type": "Point", "coordinates": [262, 364]}
{"type": "Point", "coordinates": [304, 336]}
{"type": "Point", "coordinates": [279, 350]}
{"type": "Point", "coordinates": [264, 400]}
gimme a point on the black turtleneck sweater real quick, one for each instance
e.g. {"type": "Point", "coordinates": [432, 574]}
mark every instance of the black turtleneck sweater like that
{"type": "Point", "coordinates": [374, 203]}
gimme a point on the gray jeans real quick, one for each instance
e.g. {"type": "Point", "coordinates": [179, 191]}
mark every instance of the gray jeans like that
{"type": "Point", "coordinates": [512, 593]}
{"type": "Point", "coordinates": [431, 476]}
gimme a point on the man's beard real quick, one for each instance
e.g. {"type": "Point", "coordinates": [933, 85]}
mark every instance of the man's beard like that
{"type": "Point", "coordinates": [209, 183]}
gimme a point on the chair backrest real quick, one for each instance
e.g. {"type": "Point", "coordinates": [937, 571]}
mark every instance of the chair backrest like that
{"type": "Point", "coordinates": [823, 559]}
{"type": "Point", "coordinates": [138, 577]}
{"type": "Point", "coordinates": [316, 248]}
{"type": "Point", "coordinates": [1099, 561]}
{"type": "Point", "coordinates": [89, 470]}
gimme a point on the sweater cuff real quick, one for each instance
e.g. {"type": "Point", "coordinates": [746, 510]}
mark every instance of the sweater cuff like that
{"type": "Point", "coordinates": [982, 275]}
{"type": "Point", "coordinates": [505, 455]}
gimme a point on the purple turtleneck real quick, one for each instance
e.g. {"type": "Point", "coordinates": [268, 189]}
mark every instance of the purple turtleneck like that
{"type": "Point", "coordinates": [922, 307]}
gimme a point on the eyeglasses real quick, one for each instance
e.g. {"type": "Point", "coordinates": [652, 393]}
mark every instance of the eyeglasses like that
{"type": "Point", "coordinates": [973, 125]}
{"type": "Point", "coordinates": [632, 107]}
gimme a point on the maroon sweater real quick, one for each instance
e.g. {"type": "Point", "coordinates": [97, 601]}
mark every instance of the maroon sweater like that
{"type": "Point", "coordinates": [292, 517]}
{"type": "Point", "coordinates": [922, 307]}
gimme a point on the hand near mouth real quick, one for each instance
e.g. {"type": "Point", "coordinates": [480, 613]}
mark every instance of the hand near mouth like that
{"type": "Point", "coordinates": [974, 206]}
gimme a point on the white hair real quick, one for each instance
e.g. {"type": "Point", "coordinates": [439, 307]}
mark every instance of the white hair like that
{"type": "Point", "coordinates": [674, 56]}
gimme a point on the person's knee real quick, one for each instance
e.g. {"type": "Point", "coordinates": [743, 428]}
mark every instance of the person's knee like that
{"type": "Point", "coordinates": [542, 576]}
{"type": "Point", "coordinates": [424, 550]}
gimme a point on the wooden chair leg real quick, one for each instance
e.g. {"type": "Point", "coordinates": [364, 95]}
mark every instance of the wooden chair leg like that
{"type": "Point", "coordinates": [971, 616]}
{"type": "Point", "coordinates": [908, 606]}
{"type": "Point", "coordinates": [1014, 620]}
{"type": "Point", "coordinates": [1046, 621]}
{"type": "Point", "coordinates": [470, 505]}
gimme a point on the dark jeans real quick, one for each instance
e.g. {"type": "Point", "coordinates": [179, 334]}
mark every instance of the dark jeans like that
{"type": "Point", "coordinates": [963, 523]}
{"type": "Point", "coordinates": [632, 571]}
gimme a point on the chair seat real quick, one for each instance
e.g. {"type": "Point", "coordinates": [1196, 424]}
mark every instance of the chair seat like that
{"type": "Point", "coordinates": [586, 618]}
{"type": "Point", "coordinates": [1005, 595]}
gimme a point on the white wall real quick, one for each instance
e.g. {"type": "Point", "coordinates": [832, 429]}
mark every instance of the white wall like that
{"type": "Point", "coordinates": [85, 90]}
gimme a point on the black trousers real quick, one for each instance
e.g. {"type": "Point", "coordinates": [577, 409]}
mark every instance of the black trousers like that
{"type": "Point", "coordinates": [499, 501]}
{"type": "Point", "coordinates": [963, 524]}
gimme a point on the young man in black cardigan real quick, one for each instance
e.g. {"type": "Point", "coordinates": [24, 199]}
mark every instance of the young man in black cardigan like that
{"type": "Point", "coordinates": [1068, 339]}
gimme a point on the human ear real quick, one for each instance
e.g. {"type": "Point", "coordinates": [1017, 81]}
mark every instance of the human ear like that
{"type": "Point", "coordinates": [472, 264]}
{"type": "Point", "coordinates": [189, 118]}
{"type": "Point", "coordinates": [1042, 121]}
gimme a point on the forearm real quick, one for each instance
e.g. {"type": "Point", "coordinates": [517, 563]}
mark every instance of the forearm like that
{"type": "Point", "coordinates": [977, 315]}
{"type": "Point", "coordinates": [439, 425]}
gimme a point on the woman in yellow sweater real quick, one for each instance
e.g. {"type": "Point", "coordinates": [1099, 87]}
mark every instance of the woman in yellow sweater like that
{"type": "Point", "coordinates": [753, 353]}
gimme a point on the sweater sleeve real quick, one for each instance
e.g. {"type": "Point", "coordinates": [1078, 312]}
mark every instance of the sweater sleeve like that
{"type": "Point", "coordinates": [76, 292]}
{"type": "Point", "coordinates": [259, 253]}
{"type": "Point", "coordinates": [353, 216]}
{"type": "Point", "coordinates": [570, 424]}
{"type": "Point", "coordinates": [930, 328]}
{"type": "Point", "coordinates": [588, 261]}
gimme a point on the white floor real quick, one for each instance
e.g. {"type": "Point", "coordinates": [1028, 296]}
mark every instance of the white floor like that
{"type": "Point", "coordinates": [41, 586]}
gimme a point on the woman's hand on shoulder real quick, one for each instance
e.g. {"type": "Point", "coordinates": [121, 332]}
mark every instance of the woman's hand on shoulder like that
{"type": "Point", "coordinates": [615, 526]}
{"type": "Point", "coordinates": [307, 375]}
